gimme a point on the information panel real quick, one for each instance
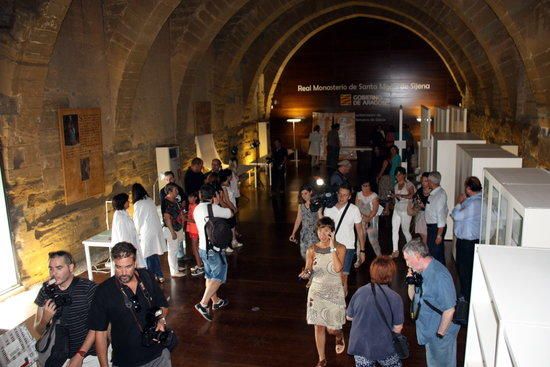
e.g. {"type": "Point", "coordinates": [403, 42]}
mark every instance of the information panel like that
{"type": "Point", "coordinates": [81, 153]}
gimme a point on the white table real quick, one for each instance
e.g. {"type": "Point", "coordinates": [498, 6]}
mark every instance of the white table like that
{"type": "Point", "coordinates": [267, 170]}
{"type": "Point", "coordinates": [102, 239]}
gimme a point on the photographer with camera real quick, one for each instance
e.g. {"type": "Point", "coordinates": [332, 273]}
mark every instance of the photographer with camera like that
{"type": "Point", "coordinates": [135, 307]}
{"type": "Point", "coordinates": [347, 216]}
{"type": "Point", "coordinates": [433, 296]}
{"type": "Point", "coordinates": [66, 298]}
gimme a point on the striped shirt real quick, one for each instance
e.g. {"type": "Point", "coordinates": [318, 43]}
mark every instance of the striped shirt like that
{"type": "Point", "coordinates": [75, 316]}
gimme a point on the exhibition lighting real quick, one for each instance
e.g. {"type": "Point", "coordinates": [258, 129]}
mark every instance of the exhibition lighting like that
{"type": "Point", "coordinates": [294, 121]}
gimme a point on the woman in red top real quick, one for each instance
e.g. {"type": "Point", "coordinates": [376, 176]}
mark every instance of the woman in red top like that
{"type": "Point", "coordinates": [193, 234]}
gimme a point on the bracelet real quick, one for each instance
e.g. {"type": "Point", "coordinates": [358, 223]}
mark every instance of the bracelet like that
{"type": "Point", "coordinates": [82, 353]}
{"type": "Point", "coordinates": [363, 251]}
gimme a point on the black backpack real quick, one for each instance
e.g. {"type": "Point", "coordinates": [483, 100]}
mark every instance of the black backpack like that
{"type": "Point", "coordinates": [218, 232]}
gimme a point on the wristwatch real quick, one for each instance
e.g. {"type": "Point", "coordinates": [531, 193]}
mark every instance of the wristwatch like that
{"type": "Point", "coordinates": [363, 251]}
{"type": "Point", "coordinates": [439, 336]}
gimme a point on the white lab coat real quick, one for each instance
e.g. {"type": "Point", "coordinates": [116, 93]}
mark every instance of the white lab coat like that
{"type": "Point", "coordinates": [124, 230]}
{"type": "Point", "coordinates": [149, 228]}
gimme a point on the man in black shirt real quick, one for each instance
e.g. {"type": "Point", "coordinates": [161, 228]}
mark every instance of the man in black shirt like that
{"type": "Point", "coordinates": [194, 178]}
{"type": "Point", "coordinates": [78, 293]}
{"type": "Point", "coordinates": [125, 300]}
{"type": "Point", "coordinates": [278, 171]}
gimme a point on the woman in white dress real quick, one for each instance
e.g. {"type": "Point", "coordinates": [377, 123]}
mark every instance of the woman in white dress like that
{"type": "Point", "coordinates": [315, 146]}
{"type": "Point", "coordinates": [403, 193]}
{"type": "Point", "coordinates": [123, 228]}
{"type": "Point", "coordinates": [149, 229]}
{"type": "Point", "coordinates": [369, 205]}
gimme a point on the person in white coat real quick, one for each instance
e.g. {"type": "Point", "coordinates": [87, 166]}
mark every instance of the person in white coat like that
{"type": "Point", "coordinates": [123, 228]}
{"type": "Point", "coordinates": [315, 146]}
{"type": "Point", "coordinates": [149, 229]}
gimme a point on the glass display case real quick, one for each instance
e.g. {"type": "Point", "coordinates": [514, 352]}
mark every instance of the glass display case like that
{"type": "Point", "coordinates": [515, 213]}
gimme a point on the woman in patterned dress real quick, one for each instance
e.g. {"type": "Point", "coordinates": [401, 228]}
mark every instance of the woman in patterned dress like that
{"type": "Point", "coordinates": [306, 218]}
{"type": "Point", "coordinates": [326, 304]}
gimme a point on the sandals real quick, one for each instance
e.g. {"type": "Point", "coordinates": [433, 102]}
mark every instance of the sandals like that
{"type": "Point", "coordinates": [322, 363]}
{"type": "Point", "coordinates": [340, 344]}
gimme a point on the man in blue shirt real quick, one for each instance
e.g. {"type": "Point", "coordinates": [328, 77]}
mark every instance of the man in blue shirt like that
{"type": "Point", "coordinates": [436, 290]}
{"type": "Point", "coordinates": [467, 217]}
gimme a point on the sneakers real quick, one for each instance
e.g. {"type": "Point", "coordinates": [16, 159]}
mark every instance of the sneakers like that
{"type": "Point", "coordinates": [179, 274]}
{"type": "Point", "coordinates": [203, 311]}
{"type": "Point", "coordinates": [229, 251]}
{"type": "Point", "coordinates": [197, 271]}
{"type": "Point", "coordinates": [220, 304]}
{"type": "Point", "coordinates": [236, 244]}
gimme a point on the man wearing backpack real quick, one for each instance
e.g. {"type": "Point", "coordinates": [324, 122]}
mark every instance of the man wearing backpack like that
{"type": "Point", "coordinates": [66, 298]}
{"type": "Point", "coordinates": [214, 237]}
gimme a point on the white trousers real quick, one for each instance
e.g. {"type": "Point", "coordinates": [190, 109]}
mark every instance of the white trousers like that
{"type": "Point", "coordinates": [401, 219]}
{"type": "Point", "coordinates": [371, 230]}
{"type": "Point", "coordinates": [173, 250]}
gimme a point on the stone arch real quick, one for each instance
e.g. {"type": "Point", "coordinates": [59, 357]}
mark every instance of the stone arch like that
{"type": "Point", "coordinates": [529, 51]}
{"type": "Point", "coordinates": [476, 62]}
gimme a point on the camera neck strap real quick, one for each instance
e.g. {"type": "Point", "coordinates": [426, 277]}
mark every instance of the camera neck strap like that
{"type": "Point", "coordinates": [128, 303]}
{"type": "Point", "coordinates": [69, 290]}
{"type": "Point", "coordinates": [342, 218]}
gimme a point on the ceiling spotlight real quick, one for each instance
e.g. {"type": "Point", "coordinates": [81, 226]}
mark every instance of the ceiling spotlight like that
{"type": "Point", "coordinates": [319, 181]}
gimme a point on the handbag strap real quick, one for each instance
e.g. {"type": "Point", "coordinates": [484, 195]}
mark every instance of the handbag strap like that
{"type": "Point", "coordinates": [342, 218]}
{"type": "Point", "coordinates": [380, 308]}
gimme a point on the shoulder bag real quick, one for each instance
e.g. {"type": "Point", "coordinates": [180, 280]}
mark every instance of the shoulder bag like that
{"type": "Point", "coordinates": [400, 342]}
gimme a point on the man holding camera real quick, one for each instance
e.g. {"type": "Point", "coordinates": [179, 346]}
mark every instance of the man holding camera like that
{"type": "Point", "coordinates": [135, 307]}
{"type": "Point", "coordinates": [433, 296]}
{"type": "Point", "coordinates": [347, 217]}
{"type": "Point", "coordinates": [69, 298]}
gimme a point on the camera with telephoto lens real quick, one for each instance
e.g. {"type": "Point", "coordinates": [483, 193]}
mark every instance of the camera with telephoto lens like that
{"type": "Point", "coordinates": [325, 199]}
{"type": "Point", "coordinates": [60, 299]}
{"type": "Point", "coordinates": [414, 279]}
{"type": "Point", "coordinates": [150, 335]}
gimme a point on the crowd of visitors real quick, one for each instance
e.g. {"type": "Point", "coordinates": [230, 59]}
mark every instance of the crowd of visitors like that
{"type": "Point", "coordinates": [200, 219]}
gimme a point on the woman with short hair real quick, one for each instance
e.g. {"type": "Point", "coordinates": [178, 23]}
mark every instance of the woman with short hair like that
{"type": "Point", "coordinates": [123, 228]}
{"type": "Point", "coordinates": [326, 304]}
{"type": "Point", "coordinates": [368, 203]}
{"type": "Point", "coordinates": [370, 339]}
{"type": "Point", "coordinates": [307, 219]}
{"type": "Point", "coordinates": [403, 192]}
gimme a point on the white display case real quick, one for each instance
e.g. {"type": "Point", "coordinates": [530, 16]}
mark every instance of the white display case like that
{"type": "Point", "coordinates": [509, 323]}
{"type": "Point", "coordinates": [516, 207]}
{"type": "Point", "coordinates": [444, 161]}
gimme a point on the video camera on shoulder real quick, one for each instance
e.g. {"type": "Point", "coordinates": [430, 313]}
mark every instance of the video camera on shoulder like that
{"type": "Point", "coordinates": [151, 336]}
{"type": "Point", "coordinates": [324, 196]}
{"type": "Point", "coordinates": [52, 292]}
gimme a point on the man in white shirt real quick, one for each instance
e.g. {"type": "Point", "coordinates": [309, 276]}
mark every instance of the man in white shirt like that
{"type": "Point", "coordinates": [345, 234]}
{"type": "Point", "coordinates": [436, 217]}
{"type": "Point", "coordinates": [215, 264]}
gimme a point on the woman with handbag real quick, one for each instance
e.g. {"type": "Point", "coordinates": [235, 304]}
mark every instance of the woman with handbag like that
{"type": "Point", "coordinates": [307, 219]}
{"type": "Point", "coordinates": [326, 303]}
{"type": "Point", "coordinates": [371, 310]}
